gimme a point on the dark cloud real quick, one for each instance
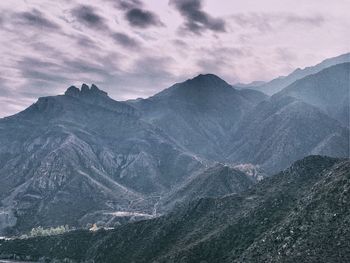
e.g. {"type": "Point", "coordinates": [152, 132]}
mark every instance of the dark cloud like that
{"type": "Point", "coordinates": [141, 18]}
{"type": "Point", "coordinates": [125, 40]}
{"type": "Point", "coordinates": [137, 15]}
{"type": "Point", "coordinates": [197, 20]}
{"type": "Point", "coordinates": [35, 18]}
{"type": "Point", "coordinates": [87, 15]}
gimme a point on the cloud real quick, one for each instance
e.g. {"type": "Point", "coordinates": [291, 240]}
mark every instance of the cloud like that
{"type": "Point", "coordinates": [141, 18]}
{"type": "Point", "coordinates": [146, 76]}
{"type": "Point", "coordinates": [222, 60]}
{"type": "Point", "coordinates": [137, 16]}
{"type": "Point", "coordinates": [87, 16]}
{"type": "Point", "coordinates": [86, 42]}
{"type": "Point", "coordinates": [265, 22]}
{"type": "Point", "coordinates": [180, 43]}
{"type": "Point", "coordinates": [261, 22]}
{"type": "Point", "coordinates": [197, 20]}
{"type": "Point", "coordinates": [125, 40]}
{"type": "Point", "coordinates": [35, 18]}
{"type": "Point", "coordinates": [128, 4]}
{"type": "Point", "coordinates": [47, 47]}
{"type": "Point", "coordinates": [315, 20]}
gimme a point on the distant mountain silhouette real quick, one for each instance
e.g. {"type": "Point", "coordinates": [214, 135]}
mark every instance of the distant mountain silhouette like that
{"type": "Point", "coordinates": [328, 90]}
{"type": "Point", "coordinates": [280, 130]}
{"type": "Point", "coordinates": [280, 83]}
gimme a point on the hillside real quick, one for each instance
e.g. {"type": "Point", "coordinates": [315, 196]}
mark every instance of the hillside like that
{"type": "Point", "coordinates": [273, 221]}
{"type": "Point", "coordinates": [67, 157]}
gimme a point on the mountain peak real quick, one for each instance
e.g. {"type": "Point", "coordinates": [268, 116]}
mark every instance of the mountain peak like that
{"type": "Point", "coordinates": [208, 78]}
{"type": "Point", "coordinates": [72, 91]}
{"type": "Point", "coordinates": [85, 91]}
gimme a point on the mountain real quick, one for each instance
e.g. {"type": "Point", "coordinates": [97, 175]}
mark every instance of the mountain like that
{"type": "Point", "coordinates": [68, 157]}
{"type": "Point", "coordinates": [199, 113]}
{"type": "Point", "coordinates": [280, 83]}
{"type": "Point", "coordinates": [298, 215]}
{"type": "Point", "coordinates": [216, 181]}
{"type": "Point", "coordinates": [83, 158]}
{"type": "Point", "coordinates": [328, 90]}
{"type": "Point", "coordinates": [280, 130]}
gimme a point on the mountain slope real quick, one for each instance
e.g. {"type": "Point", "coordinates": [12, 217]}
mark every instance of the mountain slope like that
{"type": "Point", "coordinates": [282, 214]}
{"type": "Point", "coordinates": [328, 90]}
{"type": "Point", "coordinates": [216, 181]}
{"type": "Point", "coordinates": [281, 130]}
{"type": "Point", "coordinates": [316, 231]}
{"type": "Point", "coordinates": [68, 156]}
{"type": "Point", "coordinates": [280, 83]}
{"type": "Point", "coordinates": [199, 113]}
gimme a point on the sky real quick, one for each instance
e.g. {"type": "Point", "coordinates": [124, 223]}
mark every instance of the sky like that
{"type": "Point", "coordinates": [136, 48]}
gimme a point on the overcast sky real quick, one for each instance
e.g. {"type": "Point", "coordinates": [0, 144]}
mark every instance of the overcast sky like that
{"type": "Point", "coordinates": [136, 48]}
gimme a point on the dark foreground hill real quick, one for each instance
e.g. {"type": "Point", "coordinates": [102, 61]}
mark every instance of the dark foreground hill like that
{"type": "Point", "coordinates": [298, 215]}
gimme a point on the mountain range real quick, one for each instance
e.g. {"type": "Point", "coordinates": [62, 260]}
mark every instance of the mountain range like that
{"type": "Point", "coordinates": [83, 158]}
{"type": "Point", "coordinates": [276, 85]}
{"type": "Point", "coordinates": [298, 215]}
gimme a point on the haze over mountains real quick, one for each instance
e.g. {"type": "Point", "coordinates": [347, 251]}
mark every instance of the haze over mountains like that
{"type": "Point", "coordinates": [83, 157]}
{"type": "Point", "coordinates": [280, 83]}
{"type": "Point", "coordinates": [327, 90]}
